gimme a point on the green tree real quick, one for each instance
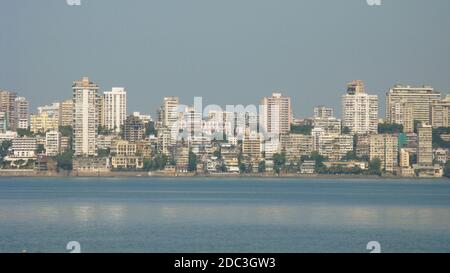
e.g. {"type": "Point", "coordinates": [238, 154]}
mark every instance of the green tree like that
{"type": "Point", "coordinates": [24, 132]}
{"type": "Point", "coordinates": [350, 156]}
{"type": "Point", "coordinates": [66, 131]}
{"type": "Point", "coordinates": [262, 166]}
{"type": "Point", "coordinates": [375, 166]}
{"type": "Point", "coordinates": [192, 162]}
{"type": "Point", "coordinates": [161, 161]}
{"type": "Point", "coordinates": [319, 159]}
{"type": "Point", "coordinates": [279, 161]}
{"type": "Point", "coordinates": [40, 149]}
{"type": "Point", "coordinates": [217, 153]}
{"type": "Point", "coordinates": [390, 128]}
{"type": "Point", "coordinates": [149, 164]}
{"type": "Point", "coordinates": [150, 129]}
{"type": "Point", "coordinates": [301, 129]}
{"type": "Point", "coordinates": [447, 169]}
{"type": "Point", "coordinates": [104, 152]}
{"type": "Point", "coordinates": [65, 160]}
{"type": "Point", "coordinates": [346, 131]}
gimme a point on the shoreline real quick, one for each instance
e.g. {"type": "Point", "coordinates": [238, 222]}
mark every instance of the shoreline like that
{"type": "Point", "coordinates": [32, 173]}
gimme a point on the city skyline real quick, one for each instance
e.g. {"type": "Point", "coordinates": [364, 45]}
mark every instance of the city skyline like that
{"type": "Point", "coordinates": [277, 47]}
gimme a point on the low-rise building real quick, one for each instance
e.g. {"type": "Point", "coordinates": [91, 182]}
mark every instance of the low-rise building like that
{"type": "Point", "coordinates": [308, 167]}
{"type": "Point", "coordinates": [52, 143]}
{"type": "Point", "coordinates": [91, 164]}
{"type": "Point", "coordinates": [24, 148]}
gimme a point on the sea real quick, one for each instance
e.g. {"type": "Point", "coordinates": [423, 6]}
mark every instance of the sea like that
{"type": "Point", "coordinates": [223, 215]}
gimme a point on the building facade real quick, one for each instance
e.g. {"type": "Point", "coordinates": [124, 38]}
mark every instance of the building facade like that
{"type": "Point", "coordinates": [85, 117]}
{"type": "Point", "coordinates": [114, 109]}
{"type": "Point", "coordinates": [419, 98]}
{"type": "Point", "coordinates": [359, 109]}
{"type": "Point", "coordinates": [276, 114]}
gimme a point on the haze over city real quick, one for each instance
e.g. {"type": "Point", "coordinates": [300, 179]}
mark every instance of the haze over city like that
{"type": "Point", "coordinates": [228, 52]}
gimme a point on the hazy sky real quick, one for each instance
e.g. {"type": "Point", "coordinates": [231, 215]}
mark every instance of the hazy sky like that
{"type": "Point", "coordinates": [228, 51]}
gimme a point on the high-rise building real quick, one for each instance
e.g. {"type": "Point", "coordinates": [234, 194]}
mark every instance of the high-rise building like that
{"type": "Point", "coordinates": [385, 148]}
{"type": "Point", "coordinates": [440, 112]}
{"type": "Point", "coordinates": [419, 98]}
{"type": "Point", "coordinates": [7, 105]}
{"type": "Point", "coordinates": [85, 114]}
{"type": "Point", "coordinates": [52, 143]}
{"type": "Point", "coordinates": [114, 109]}
{"type": "Point", "coordinates": [251, 147]}
{"type": "Point", "coordinates": [66, 113]}
{"type": "Point", "coordinates": [276, 116]}
{"type": "Point", "coordinates": [402, 113]}
{"type": "Point", "coordinates": [169, 111]}
{"type": "Point", "coordinates": [3, 122]}
{"type": "Point", "coordinates": [359, 109]}
{"type": "Point", "coordinates": [22, 114]}
{"type": "Point", "coordinates": [425, 145]}
{"type": "Point", "coordinates": [323, 112]}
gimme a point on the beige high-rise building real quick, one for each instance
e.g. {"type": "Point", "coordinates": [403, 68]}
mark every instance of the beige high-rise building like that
{"type": "Point", "coordinates": [276, 116]}
{"type": "Point", "coordinates": [170, 111]}
{"type": "Point", "coordinates": [425, 145]}
{"type": "Point", "coordinates": [66, 113]}
{"type": "Point", "coordinates": [22, 116]}
{"type": "Point", "coordinates": [251, 146]}
{"type": "Point", "coordinates": [385, 148]}
{"type": "Point", "coordinates": [114, 109]}
{"type": "Point", "coordinates": [419, 98]}
{"type": "Point", "coordinates": [359, 109]}
{"type": "Point", "coordinates": [440, 112]}
{"type": "Point", "coordinates": [7, 105]}
{"type": "Point", "coordinates": [85, 115]}
{"type": "Point", "coordinates": [402, 113]}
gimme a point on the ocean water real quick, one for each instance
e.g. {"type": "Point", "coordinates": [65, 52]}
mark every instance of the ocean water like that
{"type": "Point", "coordinates": [223, 215]}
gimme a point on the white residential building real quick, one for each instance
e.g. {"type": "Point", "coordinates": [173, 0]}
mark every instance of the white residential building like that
{"type": "Point", "coordinates": [114, 108]}
{"type": "Point", "coordinates": [52, 143]}
{"type": "Point", "coordinates": [359, 109]}
{"type": "Point", "coordinates": [24, 147]}
{"type": "Point", "coordinates": [276, 114]}
{"type": "Point", "coordinates": [85, 117]}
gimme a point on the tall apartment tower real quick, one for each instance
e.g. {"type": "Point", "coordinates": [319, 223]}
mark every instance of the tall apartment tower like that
{"type": "Point", "coordinates": [85, 111]}
{"type": "Point", "coordinates": [169, 111]}
{"type": "Point", "coordinates": [276, 114]}
{"type": "Point", "coordinates": [419, 98]}
{"type": "Point", "coordinates": [385, 148]}
{"type": "Point", "coordinates": [66, 113]}
{"type": "Point", "coordinates": [402, 113]}
{"type": "Point", "coordinates": [440, 112]}
{"type": "Point", "coordinates": [7, 105]}
{"type": "Point", "coordinates": [114, 109]}
{"type": "Point", "coordinates": [425, 145]}
{"type": "Point", "coordinates": [22, 114]}
{"type": "Point", "coordinates": [359, 109]}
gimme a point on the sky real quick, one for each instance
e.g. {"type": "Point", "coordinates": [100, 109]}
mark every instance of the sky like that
{"type": "Point", "coordinates": [227, 51]}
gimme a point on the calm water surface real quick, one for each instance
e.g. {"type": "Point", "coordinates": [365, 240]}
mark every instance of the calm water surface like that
{"type": "Point", "coordinates": [223, 215]}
